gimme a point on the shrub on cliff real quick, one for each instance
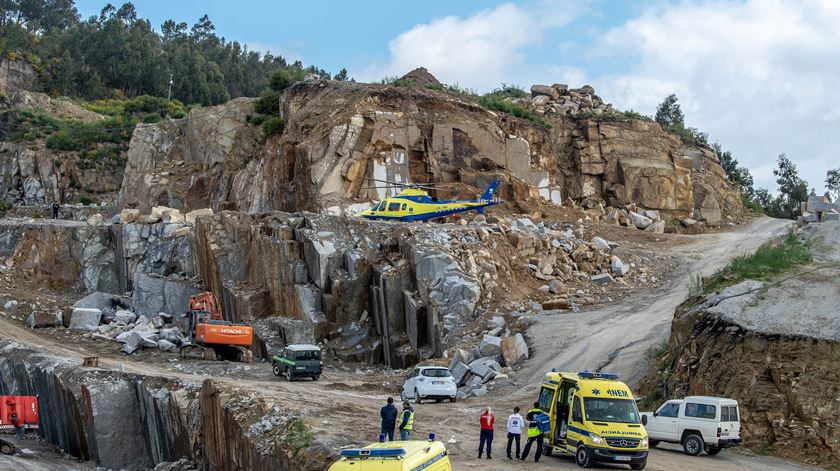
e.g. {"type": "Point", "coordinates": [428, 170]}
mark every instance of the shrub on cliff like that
{"type": "Point", "coordinates": [499, 103]}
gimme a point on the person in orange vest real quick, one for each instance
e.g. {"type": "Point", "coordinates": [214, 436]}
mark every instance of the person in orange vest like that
{"type": "Point", "coordinates": [487, 420]}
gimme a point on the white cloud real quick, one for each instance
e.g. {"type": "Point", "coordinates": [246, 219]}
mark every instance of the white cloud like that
{"type": "Point", "coordinates": [759, 76]}
{"type": "Point", "coordinates": [480, 51]}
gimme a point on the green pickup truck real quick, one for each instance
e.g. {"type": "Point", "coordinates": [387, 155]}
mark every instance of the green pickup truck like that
{"type": "Point", "coordinates": [298, 360]}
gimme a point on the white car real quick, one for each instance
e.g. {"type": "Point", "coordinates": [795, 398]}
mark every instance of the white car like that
{"type": "Point", "coordinates": [697, 422]}
{"type": "Point", "coordinates": [430, 382]}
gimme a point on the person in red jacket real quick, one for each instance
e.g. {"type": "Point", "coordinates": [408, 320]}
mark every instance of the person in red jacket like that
{"type": "Point", "coordinates": [487, 419]}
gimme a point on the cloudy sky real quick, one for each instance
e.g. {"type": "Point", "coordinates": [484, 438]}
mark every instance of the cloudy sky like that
{"type": "Point", "coordinates": [760, 76]}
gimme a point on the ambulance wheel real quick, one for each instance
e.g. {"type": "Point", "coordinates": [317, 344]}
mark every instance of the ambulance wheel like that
{"type": "Point", "coordinates": [692, 444]}
{"type": "Point", "coordinates": [713, 450]}
{"type": "Point", "coordinates": [639, 465]}
{"type": "Point", "coordinates": [417, 399]}
{"type": "Point", "coordinates": [583, 457]}
{"type": "Point", "coordinates": [276, 370]}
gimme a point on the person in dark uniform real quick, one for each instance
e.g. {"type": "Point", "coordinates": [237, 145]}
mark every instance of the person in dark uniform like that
{"type": "Point", "coordinates": [54, 207]}
{"type": "Point", "coordinates": [534, 433]}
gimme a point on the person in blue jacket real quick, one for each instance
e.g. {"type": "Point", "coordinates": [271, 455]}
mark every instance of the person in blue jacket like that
{"type": "Point", "coordinates": [389, 419]}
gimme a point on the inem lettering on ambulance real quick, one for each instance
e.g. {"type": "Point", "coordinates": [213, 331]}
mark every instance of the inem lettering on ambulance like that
{"type": "Point", "coordinates": [617, 392]}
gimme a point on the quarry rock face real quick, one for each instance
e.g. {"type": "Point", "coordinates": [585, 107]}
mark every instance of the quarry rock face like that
{"type": "Point", "coordinates": [67, 253]}
{"type": "Point", "coordinates": [16, 75]}
{"type": "Point", "coordinates": [337, 134]}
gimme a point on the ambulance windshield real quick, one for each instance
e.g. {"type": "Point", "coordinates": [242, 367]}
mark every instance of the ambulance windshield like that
{"type": "Point", "coordinates": [611, 410]}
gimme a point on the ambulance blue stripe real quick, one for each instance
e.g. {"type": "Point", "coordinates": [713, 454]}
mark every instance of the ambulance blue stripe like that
{"type": "Point", "coordinates": [577, 430]}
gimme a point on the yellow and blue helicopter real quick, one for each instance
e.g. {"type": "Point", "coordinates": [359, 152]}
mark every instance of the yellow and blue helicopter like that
{"type": "Point", "coordinates": [413, 203]}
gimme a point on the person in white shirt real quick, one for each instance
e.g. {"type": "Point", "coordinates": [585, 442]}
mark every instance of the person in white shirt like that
{"type": "Point", "coordinates": [515, 422]}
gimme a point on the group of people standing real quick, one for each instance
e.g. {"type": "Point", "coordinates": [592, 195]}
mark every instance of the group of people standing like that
{"type": "Point", "coordinates": [535, 418]}
{"type": "Point", "coordinates": [536, 424]}
{"type": "Point", "coordinates": [389, 415]}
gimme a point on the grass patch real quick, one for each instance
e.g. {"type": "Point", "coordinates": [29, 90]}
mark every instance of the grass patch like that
{"type": "Point", "coordinates": [769, 260]}
{"type": "Point", "coordinates": [298, 437]}
{"type": "Point", "coordinates": [498, 102]}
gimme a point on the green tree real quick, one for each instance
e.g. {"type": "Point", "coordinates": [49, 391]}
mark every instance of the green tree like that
{"type": "Point", "coordinates": [669, 115]}
{"type": "Point", "coordinates": [341, 76]}
{"type": "Point", "coordinates": [792, 189]}
{"type": "Point", "coordinates": [832, 182]}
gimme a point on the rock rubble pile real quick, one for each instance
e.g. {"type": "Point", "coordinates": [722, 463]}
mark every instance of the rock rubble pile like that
{"type": "Point", "coordinates": [559, 99]}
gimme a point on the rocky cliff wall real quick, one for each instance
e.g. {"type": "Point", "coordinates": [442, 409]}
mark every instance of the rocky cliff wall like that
{"type": "Point", "coordinates": [337, 134]}
{"type": "Point", "coordinates": [61, 254]}
{"type": "Point", "coordinates": [16, 75]}
{"type": "Point", "coordinates": [133, 422]}
{"type": "Point", "coordinates": [786, 386]}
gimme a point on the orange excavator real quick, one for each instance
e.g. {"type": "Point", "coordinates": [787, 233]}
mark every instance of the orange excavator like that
{"type": "Point", "coordinates": [211, 336]}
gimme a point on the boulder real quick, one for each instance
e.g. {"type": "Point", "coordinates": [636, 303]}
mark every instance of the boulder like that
{"type": "Point", "coordinates": [129, 215]}
{"type": "Point", "coordinates": [167, 215]}
{"type": "Point", "coordinates": [85, 318]}
{"type": "Point", "coordinates": [173, 334]}
{"type": "Point", "coordinates": [524, 224]}
{"type": "Point", "coordinates": [498, 321]}
{"type": "Point", "coordinates": [641, 222]}
{"type": "Point", "coordinates": [490, 345]}
{"type": "Point", "coordinates": [459, 373]}
{"type": "Point", "coordinates": [545, 90]}
{"type": "Point", "coordinates": [131, 342]}
{"type": "Point", "coordinates": [603, 278]}
{"type": "Point", "coordinates": [124, 316]}
{"type": "Point", "coordinates": [514, 350]}
{"type": "Point", "coordinates": [601, 244]}
{"type": "Point", "coordinates": [39, 319]}
{"type": "Point", "coordinates": [650, 213]}
{"type": "Point", "coordinates": [459, 356]}
{"type": "Point", "coordinates": [688, 222]}
{"type": "Point", "coordinates": [617, 267]}
{"type": "Point", "coordinates": [657, 227]}
{"type": "Point", "coordinates": [193, 215]}
{"type": "Point", "coordinates": [102, 301]}
{"type": "Point", "coordinates": [485, 368]}
{"type": "Point", "coordinates": [166, 346]}
{"type": "Point", "coordinates": [556, 304]}
{"type": "Point", "coordinates": [587, 90]}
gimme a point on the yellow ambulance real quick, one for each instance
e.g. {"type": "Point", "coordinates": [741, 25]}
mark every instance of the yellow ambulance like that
{"type": "Point", "coordinates": [409, 455]}
{"type": "Point", "coordinates": [594, 418]}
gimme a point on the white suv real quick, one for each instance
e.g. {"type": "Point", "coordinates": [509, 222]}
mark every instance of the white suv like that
{"type": "Point", "coordinates": [430, 382]}
{"type": "Point", "coordinates": [697, 422]}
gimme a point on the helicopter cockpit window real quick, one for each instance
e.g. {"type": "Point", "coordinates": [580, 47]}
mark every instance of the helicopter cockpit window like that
{"type": "Point", "coordinates": [404, 206]}
{"type": "Point", "coordinates": [393, 207]}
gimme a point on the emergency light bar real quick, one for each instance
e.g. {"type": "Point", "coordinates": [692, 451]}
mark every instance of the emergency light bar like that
{"type": "Point", "coordinates": [591, 375]}
{"type": "Point", "coordinates": [373, 452]}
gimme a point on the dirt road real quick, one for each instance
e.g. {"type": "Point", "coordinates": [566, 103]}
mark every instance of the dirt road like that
{"type": "Point", "coordinates": [614, 337]}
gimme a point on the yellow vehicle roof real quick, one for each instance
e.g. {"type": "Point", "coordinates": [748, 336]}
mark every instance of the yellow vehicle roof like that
{"type": "Point", "coordinates": [417, 452]}
{"type": "Point", "coordinates": [607, 386]}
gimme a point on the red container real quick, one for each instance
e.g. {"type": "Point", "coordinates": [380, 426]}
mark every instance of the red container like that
{"type": "Point", "coordinates": [18, 410]}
